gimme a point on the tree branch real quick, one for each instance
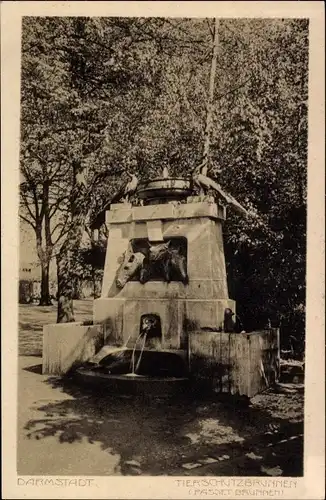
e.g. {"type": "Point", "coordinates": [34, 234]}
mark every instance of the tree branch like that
{"type": "Point", "coordinates": [31, 185]}
{"type": "Point", "coordinates": [28, 221]}
{"type": "Point", "coordinates": [54, 207]}
{"type": "Point", "coordinates": [65, 229]}
{"type": "Point", "coordinates": [210, 27]}
{"type": "Point", "coordinates": [220, 96]}
{"type": "Point", "coordinates": [28, 208]}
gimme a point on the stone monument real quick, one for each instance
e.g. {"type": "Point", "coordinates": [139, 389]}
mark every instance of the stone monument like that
{"type": "Point", "coordinates": [164, 306]}
{"type": "Point", "coordinates": [195, 229]}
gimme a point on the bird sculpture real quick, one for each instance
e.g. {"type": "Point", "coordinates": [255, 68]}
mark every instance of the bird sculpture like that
{"type": "Point", "coordinates": [205, 183]}
{"type": "Point", "coordinates": [127, 190]}
{"type": "Point", "coordinates": [165, 173]}
{"type": "Point", "coordinates": [203, 167]}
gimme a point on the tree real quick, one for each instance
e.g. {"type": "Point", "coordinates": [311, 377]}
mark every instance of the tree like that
{"type": "Point", "coordinates": [67, 95]}
{"type": "Point", "coordinates": [261, 140]}
{"type": "Point", "coordinates": [113, 94]}
{"type": "Point", "coordinates": [98, 89]}
{"type": "Point", "coordinates": [43, 192]}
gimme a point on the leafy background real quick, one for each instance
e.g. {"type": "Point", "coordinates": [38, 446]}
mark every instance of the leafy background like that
{"type": "Point", "coordinates": [102, 96]}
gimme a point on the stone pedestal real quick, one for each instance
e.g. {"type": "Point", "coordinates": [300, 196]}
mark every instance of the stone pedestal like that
{"type": "Point", "coordinates": [181, 308]}
{"type": "Point", "coordinates": [122, 316]}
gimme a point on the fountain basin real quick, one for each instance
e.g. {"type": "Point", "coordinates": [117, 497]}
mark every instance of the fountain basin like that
{"type": "Point", "coordinates": [162, 190]}
{"type": "Point", "coordinates": [140, 385]}
{"type": "Point", "coordinates": [158, 373]}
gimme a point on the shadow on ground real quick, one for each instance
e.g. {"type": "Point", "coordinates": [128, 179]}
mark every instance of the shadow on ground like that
{"type": "Point", "coordinates": [155, 437]}
{"type": "Point", "coordinates": [34, 368]}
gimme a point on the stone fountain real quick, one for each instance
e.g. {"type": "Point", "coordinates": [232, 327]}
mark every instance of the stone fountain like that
{"type": "Point", "coordinates": [164, 316]}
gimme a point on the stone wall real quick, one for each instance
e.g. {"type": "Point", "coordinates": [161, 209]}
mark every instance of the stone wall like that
{"type": "Point", "coordinates": [236, 363]}
{"type": "Point", "coordinates": [68, 345]}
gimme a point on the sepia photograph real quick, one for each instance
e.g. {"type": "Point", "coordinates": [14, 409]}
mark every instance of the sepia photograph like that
{"type": "Point", "coordinates": [161, 293]}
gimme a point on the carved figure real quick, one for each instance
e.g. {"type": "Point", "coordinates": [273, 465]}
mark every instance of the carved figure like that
{"type": "Point", "coordinates": [165, 172]}
{"type": "Point", "coordinates": [127, 190]}
{"type": "Point", "coordinates": [131, 264]}
{"type": "Point", "coordinates": [204, 183]}
{"type": "Point", "coordinates": [152, 263]}
{"type": "Point", "coordinates": [160, 260]}
{"type": "Point", "coordinates": [229, 324]}
{"type": "Point", "coordinates": [175, 266]}
{"type": "Point", "coordinates": [150, 326]}
{"type": "Point", "coordinates": [165, 261]}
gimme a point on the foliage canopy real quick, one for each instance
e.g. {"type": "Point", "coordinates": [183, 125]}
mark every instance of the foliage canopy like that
{"type": "Point", "coordinates": [100, 96]}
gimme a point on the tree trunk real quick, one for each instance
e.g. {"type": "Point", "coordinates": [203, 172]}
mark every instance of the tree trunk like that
{"type": "Point", "coordinates": [210, 101]}
{"type": "Point", "coordinates": [77, 287]}
{"type": "Point", "coordinates": [44, 256]}
{"type": "Point", "coordinates": [44, 249]}
{"type": "Point", "coordinates": [96, 283]}
{"type": "Point", "coordinates": [45, 299]}
{"type": "Point", "coordinates": [97, 288]}
{"type": "Point", "coordinates": [65, 311]}
{"type": "Point", "coordinates": [64, 265]}
{"type": "Point", "coordinates": [78, 207]}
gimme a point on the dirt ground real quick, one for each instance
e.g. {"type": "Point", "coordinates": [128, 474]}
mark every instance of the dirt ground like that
{"type": "Point", "coordinates": [66, 429]}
